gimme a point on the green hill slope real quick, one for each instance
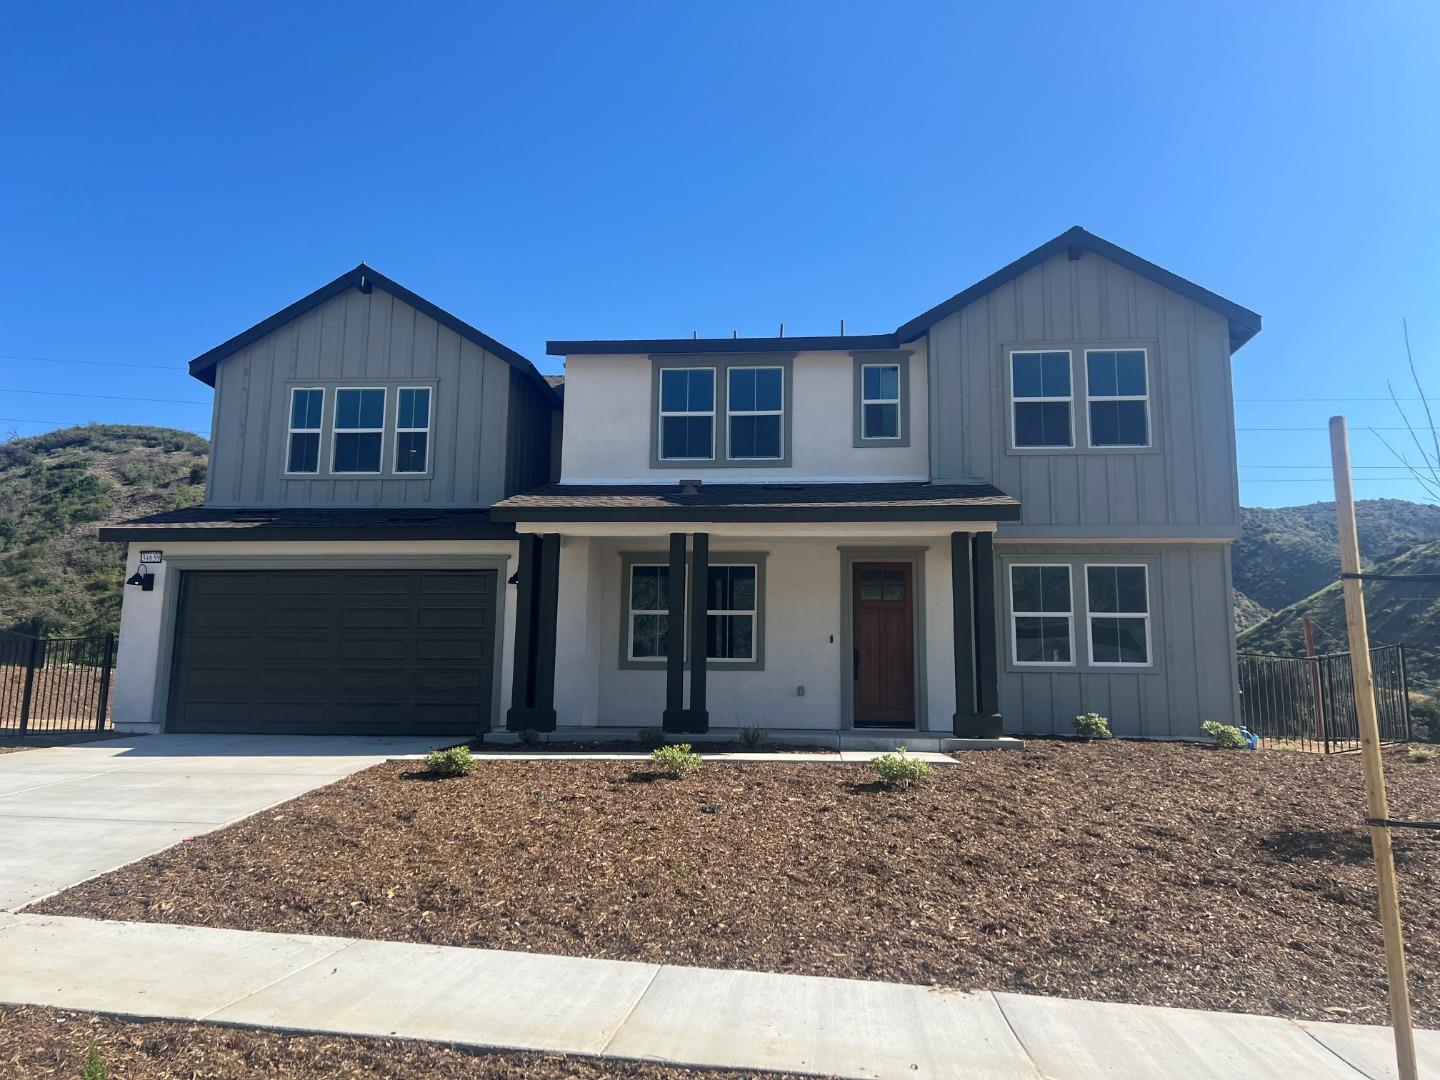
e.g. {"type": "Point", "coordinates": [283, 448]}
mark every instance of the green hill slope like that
{"type": "Point", "coordinates": [56, 489]}
{"type": "Point", "coordinates": [1286, 553]}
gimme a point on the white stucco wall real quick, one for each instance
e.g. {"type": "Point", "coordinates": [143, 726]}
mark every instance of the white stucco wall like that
{"type": "Point", "coordinates": [609, 418]}
{"type": "Point", "coordinates": [803, 611]}
{"type": "Point", "coordinates": [143, 652]}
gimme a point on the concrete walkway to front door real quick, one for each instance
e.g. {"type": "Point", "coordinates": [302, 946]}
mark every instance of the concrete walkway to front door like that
{"type": "Point", "coordinates": [69, 813]}
{"type": "Point", "coordinates": [656, 1012]}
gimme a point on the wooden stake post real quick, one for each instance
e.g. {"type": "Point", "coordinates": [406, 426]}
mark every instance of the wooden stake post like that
{"type": "Point", "coordinates": [1376, 806]}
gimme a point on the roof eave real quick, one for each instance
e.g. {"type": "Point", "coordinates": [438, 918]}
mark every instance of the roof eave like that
{"type": "Point", "coordinates": [364, 278]}
{"type": "Point", "coordinates": [705, 346]}
{"type": "Point", "coordinates": [719, 515]}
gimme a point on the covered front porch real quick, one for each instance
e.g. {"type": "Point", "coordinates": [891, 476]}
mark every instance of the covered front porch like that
{"type": "Point", "coordinates": [856, 617]}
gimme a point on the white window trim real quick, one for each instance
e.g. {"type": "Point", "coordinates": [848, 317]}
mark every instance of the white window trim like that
{"type": "Point", "coordinates": [631, 612]}
{"type": "Point", "coordinates": [662, 413]}
{"type": "Point", "coordinates": [318, 432]}
{"type": "Point", "coordinates": [1068, 399]}
{"type": "Point", "coordinates": [1143, 398]}
{"type": "Point", "coordinates": [336, 430]}
{"type": "Point", "coordinates": [753, 612]}
{"type": "Point", "coordinates": [899, 411]}
{"type": "Point", "coordinates": [429, 413]}
{"type": "Point", "coordinates": [1089, 615]}
{"type": "Point", "coordinates": [729, 412]}
{"type": "Point", "coordinates": [1068, 616]}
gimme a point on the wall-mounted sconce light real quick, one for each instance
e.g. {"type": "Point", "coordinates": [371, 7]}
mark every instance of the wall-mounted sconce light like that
{"type": "Point", "coordinates": [142, 577]}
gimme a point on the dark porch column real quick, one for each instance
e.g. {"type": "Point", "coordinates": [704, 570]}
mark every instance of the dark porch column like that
{"type": "Point", "coordinates": [977, 658]}
{"type": "Point", "coordinates": [673, 718]}
{"type": "Point", "coordinates": [532, 697]}
{"type": "Point", "coordinates": [699, 717]}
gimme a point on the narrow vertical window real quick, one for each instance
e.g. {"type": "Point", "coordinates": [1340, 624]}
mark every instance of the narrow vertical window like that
{"type": "Point", "coordinates": [1041, 615]}
{"type": "Point", "coordinates": [1117, 603]}
{"type": "Point", "coordinates": [1041, 399]}
{"type": "Point", "coordinates": [755, 408]}
{"type": "Point", "coordinates": [880, 401]}
{"type": "Point", "coordinates": [1118, 392]}
{"type": "Point", "coordinates": [307, 410]}
{"type": "Point", "coordinates": [687, 414]}
{"type": "Point", "coordinates": [359, 430]}
{"type": "Point", "coordinates": [649, 611]}
{"type": "Point", "coordinates": [412, 429]}
{"type": "Point", "coordinates": [730, 607]}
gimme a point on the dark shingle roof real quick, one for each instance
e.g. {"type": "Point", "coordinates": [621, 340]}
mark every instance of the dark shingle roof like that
{"type": "Point", "coordinates": [907, 501]}
{"type": "Point", "coordinates": [307, 523]}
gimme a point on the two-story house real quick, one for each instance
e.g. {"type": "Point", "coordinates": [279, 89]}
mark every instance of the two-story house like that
{"type": "Point", "coordinates": [343, 574]}
{"type": "Point", "coordinates": [1016, 507]}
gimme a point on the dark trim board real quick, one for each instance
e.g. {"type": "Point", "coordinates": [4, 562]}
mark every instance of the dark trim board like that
{"type": "Point", "coordinates": [364, 278]}
{"type": "Point", "coordinates": [141, 534]}
{"type": "Point", "coordinates": [701, 516]}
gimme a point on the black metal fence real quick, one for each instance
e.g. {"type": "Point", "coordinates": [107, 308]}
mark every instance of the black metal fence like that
{"type": "Point", "coordinates": [1308, 703]}
{"type": "Point", "coordinates": [56, 684]}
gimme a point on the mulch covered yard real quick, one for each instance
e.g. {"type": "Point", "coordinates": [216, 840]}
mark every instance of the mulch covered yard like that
{"type": "Point", "coordinates": [36, 1042]}
{"type": "Point", "coordinates": [1163, 874]}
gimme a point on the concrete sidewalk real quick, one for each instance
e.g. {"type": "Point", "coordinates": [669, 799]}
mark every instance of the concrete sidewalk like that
{"type": "Point", "coordinates": [69, 813]}
{"type": "Point", "coordinates": [679, 1015]}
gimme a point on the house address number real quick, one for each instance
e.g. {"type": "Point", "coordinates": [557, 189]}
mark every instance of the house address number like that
{"type": "Point", "coordinates": [152, 556]}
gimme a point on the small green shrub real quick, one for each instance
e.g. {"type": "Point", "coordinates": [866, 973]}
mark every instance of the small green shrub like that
{"type": "Point", "coordinates": [752, 738]}
{"type": "Point", "coordinates": [1422, 753]}
{"type": "Point", "coordinates": [1092, 725]}
{"type": "Point", "coordinates": [1226, 736]}
{"type": "Point", "coordinates": [529, 736]}
{"type": "Point", "coordinates": [456, 761]}
{"type": "Point", "coordinates": [675, 760]}
{"type": "Point", "coordinates": [900, 769]}
{"type": "Point", "coordinates": [95, 1068]}
{"type": "Point", "coordinates": [651, 738]}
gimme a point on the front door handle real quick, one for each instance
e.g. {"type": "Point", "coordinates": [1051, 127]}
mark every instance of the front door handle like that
{"type": "Point", "coordinates": [857, 664]}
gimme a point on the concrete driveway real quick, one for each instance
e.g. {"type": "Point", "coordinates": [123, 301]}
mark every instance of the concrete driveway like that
{"type": "Point", "coordinates": [70, 813]}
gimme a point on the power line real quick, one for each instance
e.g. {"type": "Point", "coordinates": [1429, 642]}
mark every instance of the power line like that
{"type": "Point", "coordinates": [92, 363]}
{"type": "Point", "coordinates": [1367, 427]}
{"type": "Point", "coordinates": [106, 397]}
{"type": "Point", "coordinates": [74, 423]}
{"type": "Point", "coordinates": [1325, 467]}
{"type": "Point", "coordinates": [1311, 399]}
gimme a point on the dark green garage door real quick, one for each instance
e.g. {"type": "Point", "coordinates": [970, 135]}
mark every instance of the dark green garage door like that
{"type": "Point", "coordinates": [331, 652]}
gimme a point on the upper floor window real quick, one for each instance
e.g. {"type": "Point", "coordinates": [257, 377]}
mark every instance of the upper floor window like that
{"type": "Point", "coordinates": [412, 429]}
{"type": "Point", "coordinates": [687, 414]}
{"type": "Point", "coordinates": [755, 410]}
{"type": "Point", "coordinates": [720, 412]}
{"type": "Point", "coordinates": [1118, 392]}
{"type": "Point", "coordinates": [359, 430]}
{"type": "Point", "coordinates": [1117, 607]}
{"type": "Point", "coordinates": [307, 413]}
{"type": "Point", "coordinates": [1041, 399]}
{"type": "Point", "coordinates": [1041, 614]}
{"type": "Point", "coordinates": [880, 401]}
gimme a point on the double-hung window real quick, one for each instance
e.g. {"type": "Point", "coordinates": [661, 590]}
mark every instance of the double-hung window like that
{"type": "Point", "coordinates": [879, 401]}
{"type": "Point", "coordinates": [307, 412]}
{"type": "Point", "coordinates": [1041, 614]}
{"type": "Point", "coordinates": [1041, 399]}
{"type": "Point", "coordinates": [1117, 607]}
{"type": "Point", "coordinates": [755, 412]}
{"type": "Point", "coordinates": [412, 429]}
{"type": "Point", "coordinates": [1118, 393]}
{"type": "Point", "coordinates": [730, 609]}
{"type": "Point", "coordinates": [648, 621]}
{"type": "Point", "coordinates": [359, 430]}
{"type": "Point", "coordinates": [687, 414]}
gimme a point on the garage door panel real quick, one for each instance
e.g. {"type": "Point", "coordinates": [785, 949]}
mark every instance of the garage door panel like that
{"type": "Point", "coordinates": [332, 651]}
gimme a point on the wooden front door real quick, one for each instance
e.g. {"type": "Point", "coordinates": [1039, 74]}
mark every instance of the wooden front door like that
{"type": "Point", "coordinates": [883, 633]}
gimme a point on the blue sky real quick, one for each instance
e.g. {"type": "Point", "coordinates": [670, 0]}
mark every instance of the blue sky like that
{"type": "Point", "coordinates": [173, 173]}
